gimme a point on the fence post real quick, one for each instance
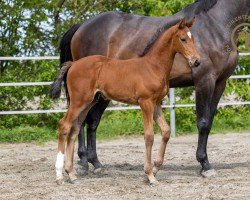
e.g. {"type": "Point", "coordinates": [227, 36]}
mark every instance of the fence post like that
{"type": "Point", "coordinates": [172, 112]}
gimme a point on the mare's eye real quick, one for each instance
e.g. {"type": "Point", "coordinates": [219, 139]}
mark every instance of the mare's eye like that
{"type": "Point", "coordinates": [183, 39]}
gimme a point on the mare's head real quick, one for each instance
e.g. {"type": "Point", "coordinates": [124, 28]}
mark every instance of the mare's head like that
{"type": "Point", "coordinates": [183, 42]}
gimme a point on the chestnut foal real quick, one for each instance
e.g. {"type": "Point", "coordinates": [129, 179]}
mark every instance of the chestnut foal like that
{"type": "Point", "coordinates": [142, 80]}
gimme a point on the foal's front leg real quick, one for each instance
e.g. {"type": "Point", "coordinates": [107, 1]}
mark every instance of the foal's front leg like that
{"type": "Point", "coordinates": [165, 132]}
{"type": "Point", "coordinates": [147, 108]}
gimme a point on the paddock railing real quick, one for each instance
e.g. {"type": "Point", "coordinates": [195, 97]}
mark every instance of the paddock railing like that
{"type": "Point", "coordinates": [171, 105]}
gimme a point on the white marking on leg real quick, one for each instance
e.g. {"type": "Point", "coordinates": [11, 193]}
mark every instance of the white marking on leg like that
{"type": "Point", "coordinates": [189, 34]}
{"type": "Point", "coordinates": [59, 164]}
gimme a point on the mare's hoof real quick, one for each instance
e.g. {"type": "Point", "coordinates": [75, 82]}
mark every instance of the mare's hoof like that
{"type": "Point", "coordinates": [209, 173]}
{"type": "Point", "coordinates": [82, 170]}
{"type": "Point", "coordinates": [59, 181]}
{"type": "Point", "coordinates": [154, 183]}
{"type": "Point", "coordinates": [100, 171]}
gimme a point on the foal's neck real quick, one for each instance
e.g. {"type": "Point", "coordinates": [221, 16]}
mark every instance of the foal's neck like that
{"type": "Point", "coordinates": [162, 52]}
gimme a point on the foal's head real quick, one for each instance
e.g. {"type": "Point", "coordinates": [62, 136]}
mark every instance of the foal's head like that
{"type": "Point", "coordinates": [183, 43]}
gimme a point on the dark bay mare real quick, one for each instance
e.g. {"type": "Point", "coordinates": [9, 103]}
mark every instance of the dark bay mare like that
{"type": "Point", "coordinates": [125, 81]}
{"type": "Point", "coordinates": [121, 35]}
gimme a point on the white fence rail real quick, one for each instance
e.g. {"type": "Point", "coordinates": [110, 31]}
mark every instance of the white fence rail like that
{"type": "Point", "coordinates": [171, 106]}
{"type": "Point", "coordinates": [6, 58]}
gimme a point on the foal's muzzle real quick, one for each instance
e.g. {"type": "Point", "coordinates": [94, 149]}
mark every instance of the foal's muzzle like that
{"type": "Point", "coordinates": [194, 62]}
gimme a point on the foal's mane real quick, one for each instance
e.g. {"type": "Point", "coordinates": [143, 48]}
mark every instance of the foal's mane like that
{"type": "Point", "coordinates": [189, 12]}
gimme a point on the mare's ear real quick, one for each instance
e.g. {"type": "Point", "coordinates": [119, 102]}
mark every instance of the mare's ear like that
{"type": "Point", "coordinates": [182, 24]}
{"type": "Point", "coordinates": [190, 22]}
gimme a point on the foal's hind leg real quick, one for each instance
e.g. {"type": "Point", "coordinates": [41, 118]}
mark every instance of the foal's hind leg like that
{"type": "Point", "coordinates": [77, 105]}
{"type": "Point", "coordinates": [70, 145]}
{"type": "Point", "coordinates": [64, 125]}
{"type": "Point", "coordinates": [165, 132]}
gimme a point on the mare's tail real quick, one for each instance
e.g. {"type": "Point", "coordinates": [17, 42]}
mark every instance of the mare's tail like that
{"type": "Point", "coordinates": [56, 86]}
{"type": "Point", "coordinates": [65, 51]}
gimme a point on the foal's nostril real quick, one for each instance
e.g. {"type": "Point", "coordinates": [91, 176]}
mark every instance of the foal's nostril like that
{"type": "Point", "coordinates": [197, 63]}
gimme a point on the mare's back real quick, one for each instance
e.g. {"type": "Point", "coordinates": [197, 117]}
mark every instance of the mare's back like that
{"type": "Point", "coordinates": [128, 33]}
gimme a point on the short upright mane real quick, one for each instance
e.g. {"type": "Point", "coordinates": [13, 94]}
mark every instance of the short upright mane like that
{"type": "Point", "coordinates": [151, 42]}
{"type": "Point", "coordinates": [189, 12]}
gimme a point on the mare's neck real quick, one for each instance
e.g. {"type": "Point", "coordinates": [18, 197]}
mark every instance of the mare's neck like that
{"type": "Point", "coordinates": [230, 13]}
{"type": "Point", "coordinates": [162, 53]}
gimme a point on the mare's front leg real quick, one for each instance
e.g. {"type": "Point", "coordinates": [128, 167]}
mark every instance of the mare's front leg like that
{"type": "Point", "coordinates": [218, 91]}
{"type": "Point", "coordinates": [165, 133]}
{"type": "Point", "coordinates": [147, 108]}
{"type": "Point", "coordinates": [204, 95]}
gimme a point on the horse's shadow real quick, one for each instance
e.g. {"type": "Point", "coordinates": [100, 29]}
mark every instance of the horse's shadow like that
{"type": "Point", "coordinates": [169, 170]}
{"type": "Point", "coordinates": [128, 166]}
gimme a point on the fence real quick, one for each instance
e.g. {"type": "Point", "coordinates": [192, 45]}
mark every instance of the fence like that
{"type": "Point", "coordinates": [171, 105]}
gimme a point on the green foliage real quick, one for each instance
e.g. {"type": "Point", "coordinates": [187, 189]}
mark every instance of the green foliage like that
{"type": "Point", "coordinates": [35, 27]}
{"type": "Point", "coordinates": [124, 123]}
{"type": "Point", "coordinates": [27, 134]}
{"type": "Point", "coordinates": [161, 7]}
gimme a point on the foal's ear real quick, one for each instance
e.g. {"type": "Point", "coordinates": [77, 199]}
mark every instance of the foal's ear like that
{"type": "Point", "coordinates": [182, 24]}
{"type": "Point", "coordinates": [190, 22]}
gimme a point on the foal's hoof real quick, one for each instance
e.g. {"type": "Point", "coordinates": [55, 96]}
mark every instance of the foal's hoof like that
{"type": "Point", "coordinates": [72, 178]}
{"type": "Point", "coordinates": [154, 183]}
{"type": "Point", "coordinates": [75, 181]}
{"type": "Point", "coordinates": [60, 181]}
{"type": "Point", "coordinates": [211, 173]}
{"type": "Point", "coordinates": [155, 170]}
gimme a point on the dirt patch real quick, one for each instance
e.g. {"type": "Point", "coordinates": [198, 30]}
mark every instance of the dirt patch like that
{"type": "Point", "coordinates": [27, 171]}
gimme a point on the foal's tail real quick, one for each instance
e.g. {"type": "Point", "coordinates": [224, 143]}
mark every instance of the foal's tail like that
{"type": "Point", "coordinates": [56, 86]}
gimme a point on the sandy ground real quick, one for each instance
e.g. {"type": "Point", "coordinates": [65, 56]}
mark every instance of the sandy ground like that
{"type": "Point", "coordinates": [27, 171]}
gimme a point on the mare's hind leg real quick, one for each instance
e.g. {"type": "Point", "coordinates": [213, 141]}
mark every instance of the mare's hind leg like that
{"type": "Point", "coordinates": [165, 132]}
{"type": "Point", "coordinates": [92, 121]}
{"type": "Point", "coordinates": [82, 152]}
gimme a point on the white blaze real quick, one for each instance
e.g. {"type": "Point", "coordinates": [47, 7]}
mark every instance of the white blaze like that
{"type": "Point", "coordinates": [189, 34]}
{"type": "Point", "coordinates": [59, 164]}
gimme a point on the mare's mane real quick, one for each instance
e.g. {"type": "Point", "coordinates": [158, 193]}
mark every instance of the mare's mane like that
{"type": "Point", "coordinates": [189, 12]}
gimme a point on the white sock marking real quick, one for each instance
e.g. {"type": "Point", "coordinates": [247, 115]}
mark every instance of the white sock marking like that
{"type": "Point", "coordinates": [59, 164]}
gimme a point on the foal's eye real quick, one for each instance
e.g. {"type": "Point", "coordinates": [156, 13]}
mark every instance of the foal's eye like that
{"type": "Point", "coordinates": [183, 39]}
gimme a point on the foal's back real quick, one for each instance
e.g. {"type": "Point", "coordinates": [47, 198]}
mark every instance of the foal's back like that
{"type": "Point", "coordinates": [121, 80]}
